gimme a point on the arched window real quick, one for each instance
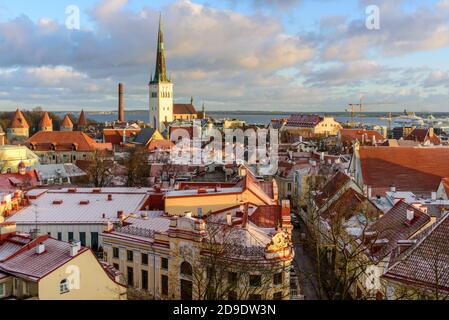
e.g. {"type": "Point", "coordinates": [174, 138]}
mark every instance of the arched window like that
{"type": "Point", "coordinates": [64, 286]}
{"type": "Point", "coordinates": [186, 269]}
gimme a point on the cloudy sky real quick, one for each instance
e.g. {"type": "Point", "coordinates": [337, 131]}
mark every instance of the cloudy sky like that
{"type": "Point", "coordinates": [274, 55]}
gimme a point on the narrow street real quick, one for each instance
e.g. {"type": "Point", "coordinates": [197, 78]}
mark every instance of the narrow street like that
{"type": "Point", "coordinates": [304, 266]}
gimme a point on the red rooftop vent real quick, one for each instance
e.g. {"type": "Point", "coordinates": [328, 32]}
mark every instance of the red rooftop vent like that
{"type": "Point", "coordinates": [58, 201]}
{"type": "Point", "coordinates": [72, 190]}
{"type": "Point", "coordinates": [120, 214]}
{"type": "Point", "coordinates": [96, 190]}
{"type": "Point", "coordinates": [109, 197]}
{"type": "Point", "coordinates": [202, 191]}
{"type": "Point", "coordinates": [84, 202]}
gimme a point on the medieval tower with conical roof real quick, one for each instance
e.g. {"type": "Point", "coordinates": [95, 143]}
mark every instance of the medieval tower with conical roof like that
{"type": "Point", "coordinates": [161, 89]}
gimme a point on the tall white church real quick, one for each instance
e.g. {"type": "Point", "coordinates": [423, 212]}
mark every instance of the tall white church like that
{"type": "Point", "coordinates": [161, 89]}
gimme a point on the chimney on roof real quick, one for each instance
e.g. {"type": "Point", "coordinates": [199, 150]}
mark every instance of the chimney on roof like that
{"type": "Point", "coordinates": [120, 215]}
{"type": "Point", "coordinates": [74, 248]}
{"type": "Point", "coordinates": [434, 196]}
{"type": "Point", "coordinates": [121, 103]}
{"type": "Point", "coordinates": [229, 218]}
{"type": "Point", "coordinates": [431, 132]}
{"type": "Point", "coordinates": [410, 215]}
{"type": "Point", "coordinates": [188, 214]}
{"type": "Point", "coordinates": [40, 248]}
{"type": "Point", "coordinates": [109, 197]}
{"type": "Point", "coordinates": [392, 188]}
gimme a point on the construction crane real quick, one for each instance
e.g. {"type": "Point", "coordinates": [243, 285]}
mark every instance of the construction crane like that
{"type": "Point", "coordinates": [354, 108]}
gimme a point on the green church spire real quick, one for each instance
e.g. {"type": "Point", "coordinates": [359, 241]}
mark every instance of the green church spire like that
{"type": "Point", "coordinates": [160, 74]}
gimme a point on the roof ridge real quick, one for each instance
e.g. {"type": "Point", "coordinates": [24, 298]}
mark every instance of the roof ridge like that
{"type": "Point", "coordinates": [426, 234]}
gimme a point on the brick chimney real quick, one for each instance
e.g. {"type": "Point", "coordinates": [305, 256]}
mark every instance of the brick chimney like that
{"type": "Point", "coordinates": [121, 103]}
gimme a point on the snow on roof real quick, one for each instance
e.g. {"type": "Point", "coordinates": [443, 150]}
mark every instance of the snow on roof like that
{"type": "Point", "coordinates": [60, 170]}
{"type": "Point", "coordinates": [64, 207]}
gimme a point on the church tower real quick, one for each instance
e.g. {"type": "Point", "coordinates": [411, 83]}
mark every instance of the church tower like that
{"type": "Point", "coordinates": [160, 89]}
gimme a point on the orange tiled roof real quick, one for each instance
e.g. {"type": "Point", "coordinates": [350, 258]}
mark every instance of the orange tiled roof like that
{"type": "Point", "coordinates": [183, 108]}
{"type": "Point", "coordinates": [115, 136]}
{"type": "Point", "coordinates": [46, 121]}
{"type": "Point", "coordinates": [361, 135]}
{"type": "Point", "coordinates": [64, 141]}
{"type": "Point", "coordinates": [407, 168]}
{"type": "Point", "coordinates": [67, 122]}
{"type": "Point", "coordinates": [159, 144]}
{"type": "Point", "coordinates": [19, 121]}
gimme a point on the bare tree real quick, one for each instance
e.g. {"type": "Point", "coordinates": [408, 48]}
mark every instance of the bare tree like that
{"type": "Point", "coordinates": [229, 270]}
{"type": "Point", "coordinates": [99, 172]}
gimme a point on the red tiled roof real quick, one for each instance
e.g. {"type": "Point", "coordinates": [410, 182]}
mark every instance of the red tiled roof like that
{"type": "Point", "coordinates": [426, 261]}
{"type": "Point", "coordinates": [407, 168]}
{"type": "Point", "coordinates": [67, 122]}
{"type": "Point", "coordinates": [159, 144]}
{"type": "Point", "coordinates": [64, 141]}
{"type": "Point", "coordinates": [361, 135]}
{"type": "Point", "coordinates": [46, 121]}
{"type": "Point", "coordinates": [184, 108]}
{"type": "Point", "coordinates": [424, 135]}
{"type": "Point", "coordinates": [331, 188]}
{"type": "Point", "coordinates": [267, 216]}
{"type": "Point", "coordinates": [304, 121]}
{"type": "Point", "coordinates": [82, 119]}
{"type": "Point", "coordinates": [349, 204]}
{"type": "Point", "coordinates": [14, 181]}
{"type": "Point", "coordinates": [27, 263]}
{"type": "Point", "coordinates": [393, 226]}
{"type": "Point", "coordinates": [19, 121]}
{"type": "Point", "coordinates": [115, 136]}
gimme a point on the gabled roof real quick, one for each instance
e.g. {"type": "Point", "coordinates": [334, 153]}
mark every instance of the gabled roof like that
{"type": "Point", "coordinates": [144, 136]}
{"type": "Point", "coordinates": [26, 263]}
{"type": "Point", "coordinates": [19, 121]}
{"type": "Point", "coordinates": [393, 226]}
{"type": "Point", "coordinates": [349, 204]}
{"type": "Point", "coordinates": [67, 122]}
{"type": "Point", "coordinates": [407, 168]}
{"type": "Point", "coordinates": [361, 135]}
{"type": "Point", "coordinates": [65, 140]}
{"type": "Point", "coordinates": [14, 181]}
{"type": "Point", "coordinates": [159, 144]}
{"type": "Point", "coordinates": [424, 135]}
{"type": "Point", "coordinates": [331, 188]}
{"type": "Point", "coordinates": [46, 121]}
{"type": "Point", "coordinates": [304, 121]}
{"type": "Point", "coordinates": [184, 108]}
{"type": "Point", "coordinates": [425, 261]}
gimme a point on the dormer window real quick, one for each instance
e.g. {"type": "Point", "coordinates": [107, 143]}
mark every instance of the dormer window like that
{"type": "Point", "coordinates": [64, 286]}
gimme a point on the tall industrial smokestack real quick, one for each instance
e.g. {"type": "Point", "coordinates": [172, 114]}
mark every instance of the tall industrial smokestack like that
{"type": "Point", "coordinates": [121, 103]}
